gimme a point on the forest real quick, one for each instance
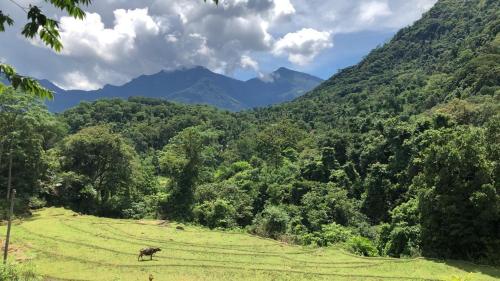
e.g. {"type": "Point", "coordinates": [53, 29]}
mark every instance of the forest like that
{"type": "Point", "coordinates": [396, 156]}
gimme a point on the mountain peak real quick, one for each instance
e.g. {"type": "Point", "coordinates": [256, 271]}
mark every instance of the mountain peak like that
{"type": "Point", "coordinates": [198, 84]}
{"type": "Point", "coordinates": [283, 69]}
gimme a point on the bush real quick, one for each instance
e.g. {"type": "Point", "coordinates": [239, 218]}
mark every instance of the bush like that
{"type": "Point", "coordinates": [361, 246]}
{"type": "Point", "coordinates": [11, 272]}
{"type": "Point", "coordinates": [217, 213]}
{"type": "Point", "coordinates": [36, 203]}
{"type": "Point", "coordinates": [334, 233]}
{"type": "Point", "coordinates": [272, 222]}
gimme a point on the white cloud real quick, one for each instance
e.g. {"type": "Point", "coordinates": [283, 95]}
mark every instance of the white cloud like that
{"type": "Point", "coordinates": [372, 10]}
{"type": "Point", "coordinates": [122, 39]}
{"type": "Point", "coordinates": [136, 21]}
{"type": "Point", "coordinates": [248, 63]}
{"type": "Point", "coordinates": [283, 8]}
{"type": "Point", "coordinates": [304, 45]}
{"type": "Point", "coordinates": [78, 80]}
{"type": "Point", "coordinates": [90, 38]}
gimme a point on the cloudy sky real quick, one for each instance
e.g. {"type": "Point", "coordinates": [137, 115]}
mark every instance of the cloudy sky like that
{"type": "Point", "coordinates": [122, 39]}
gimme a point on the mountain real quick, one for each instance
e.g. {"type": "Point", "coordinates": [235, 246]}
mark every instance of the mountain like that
{"type": "Point", "coordinates": [197, 85]}
{"type": "Point", "coordinates": [401, 149]}
{"type": "Point", "coordinates": [452, 52]}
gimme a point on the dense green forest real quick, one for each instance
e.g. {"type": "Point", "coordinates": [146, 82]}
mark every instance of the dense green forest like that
{"type": "Point", "coordinates": [398, 155]}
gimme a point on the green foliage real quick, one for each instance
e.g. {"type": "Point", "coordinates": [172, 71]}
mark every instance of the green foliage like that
{"type": "Point", "coordinates": [326, 203]}
{"type": "Point", "coordinates": [5, 19]}
{"type": "Point", "coordinates": [27, 130]}
{"type": "Point", "coordinates": [361, 246]}
{"type": "Point", "coordinates": [25, 84]}
{"type": "Point", "coordinates": [400, 151]}
{"type": "Point", "coordinates": [271, 222]}
{"type": "Point", "coordinates": [99, 171]}
{"type": "Point", "coordinates": [45, 27]}
{"type": "Point", "coordinates": [403, 236]}
{"type": "Point", "coordinates": [275, 139]}
{"type": "Point", "coordinates": [459, 198]}
{"type": "Point", "coordinates": [330, 234]}
{"type": "Point", "coordinates": [182, 161]}
{"type": "Point", "coordinates": [215, 214]}
{"type": "Point", "coordinates": [16, 272]}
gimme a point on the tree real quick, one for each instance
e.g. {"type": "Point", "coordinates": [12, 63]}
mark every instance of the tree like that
{"type": "Point", "coordinates": [47, 29]}
{"type": "Point", "coordinates": [458, 195]}
{"type": "Point", "coordinates": [326, 203]}
{"type": "Point", "coordinates": [101, 165]}
{"type": "Point", "coordinates": [272, 222]}
{"type": "Point", "coordinates": [181, 160]}
{"type": "Point", "coordinates": [276, 138]}
{"type": "Point", "coordinates": [27, 129]}
{"type": "Point", "coordinates": [376, 204]}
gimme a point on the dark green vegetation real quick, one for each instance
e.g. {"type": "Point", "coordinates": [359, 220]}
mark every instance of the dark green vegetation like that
{"type": "Point", "coordinates": [197, 85]}
{"type": "Point", "coordinates": [398, 155]}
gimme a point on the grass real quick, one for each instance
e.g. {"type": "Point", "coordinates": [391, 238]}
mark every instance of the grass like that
{"type": "Point", "coordinates": [66, 247]}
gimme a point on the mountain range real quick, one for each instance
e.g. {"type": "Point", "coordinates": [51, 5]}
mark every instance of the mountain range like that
{"type": "Point", "coordinates": [196, 85]}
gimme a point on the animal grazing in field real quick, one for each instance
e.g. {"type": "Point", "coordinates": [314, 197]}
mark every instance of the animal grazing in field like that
{"type": "Point", "coordinates": [179, 227]}
{"type": "Point", "coordinates": [148, 252]}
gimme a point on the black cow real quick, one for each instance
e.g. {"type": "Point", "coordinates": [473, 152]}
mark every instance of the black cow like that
{"type": "Point", "coordinates": [148, 252]}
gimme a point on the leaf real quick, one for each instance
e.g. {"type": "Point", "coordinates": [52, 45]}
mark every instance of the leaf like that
{"type": "Point", "coordinates": [26, 84]}
{"type": "Point", "coordinates": [5, 19]}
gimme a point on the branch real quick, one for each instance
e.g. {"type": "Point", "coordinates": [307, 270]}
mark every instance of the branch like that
{"type": "Point", "coordinates": [26, 84]}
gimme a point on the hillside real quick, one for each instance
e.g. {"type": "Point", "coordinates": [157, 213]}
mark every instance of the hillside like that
{"type": "Point", "coordinates": [68, 247]}
{"type": "Point", "coordinates": [453, 51]}
{"type": "Point", "coordinates": [396, 157]}
{"type": "Point", "coordinates": [197, 85]}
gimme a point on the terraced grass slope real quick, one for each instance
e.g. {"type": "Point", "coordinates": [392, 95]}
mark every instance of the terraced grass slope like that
{"type": "Point", "coordinates": [63, 246]}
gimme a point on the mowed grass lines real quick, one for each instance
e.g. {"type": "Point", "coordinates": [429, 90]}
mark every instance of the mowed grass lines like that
{"type": "Point", "coordinates": [67, 247]}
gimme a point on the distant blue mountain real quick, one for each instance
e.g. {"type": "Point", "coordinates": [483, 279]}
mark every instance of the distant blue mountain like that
{"type": "Point", "coordinates": [197, 85]}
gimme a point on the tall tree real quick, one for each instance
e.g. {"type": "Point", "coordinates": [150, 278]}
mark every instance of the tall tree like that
{"type": "Point", "coordinates": [458, 202]}
{"type": "Point", "coordinates": [104, 164]}
{"type": "Point", "coordinates": [181, 160]}
{"type": "Point", "coordinates": [26, 130]}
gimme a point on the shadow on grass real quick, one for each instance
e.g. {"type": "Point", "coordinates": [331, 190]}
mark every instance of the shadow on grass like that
{"type": "Point", "coordinates": [493, 271]}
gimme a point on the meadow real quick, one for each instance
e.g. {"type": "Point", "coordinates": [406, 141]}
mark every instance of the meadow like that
{"type": "Point", "coordinates": [62, 245]}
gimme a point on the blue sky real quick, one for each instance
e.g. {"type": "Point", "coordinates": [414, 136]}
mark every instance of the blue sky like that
{"type": "Point", "coordinates": [348, 50]}
{"type": "Point", "coordinates": [122, 39]}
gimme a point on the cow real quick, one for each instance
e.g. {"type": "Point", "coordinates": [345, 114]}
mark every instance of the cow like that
{"type": "Point", "coordinates": [148, 252]}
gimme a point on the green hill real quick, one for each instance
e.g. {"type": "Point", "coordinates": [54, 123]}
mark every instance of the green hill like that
{"type": "Point", "coordinates": [397, 156]}
{"type": "Point", "coordinates": [452, 52]}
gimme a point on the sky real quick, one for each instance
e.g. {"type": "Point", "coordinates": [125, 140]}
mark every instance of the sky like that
{"type": "Point", "coordinates": [122, 39]}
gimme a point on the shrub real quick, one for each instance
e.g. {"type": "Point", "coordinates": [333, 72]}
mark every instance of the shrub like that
{"type": "Point", "coordinates": [217, 213]}
{"type": "Point", "coordinates": [335, 233]}
{"type": "Point", "coordinates": [11, 272]}
{"type": "Point", "coordinates": [36, 203]}
{"type": "Point", "coordinates": [361, 246]}
{"type": "Point", "coordinates": [272, 222]}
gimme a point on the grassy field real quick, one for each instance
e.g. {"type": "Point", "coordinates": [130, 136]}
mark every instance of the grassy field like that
{"type": "Point", "coordinates": [63, 246]}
